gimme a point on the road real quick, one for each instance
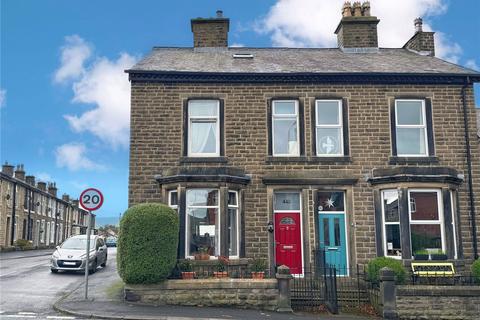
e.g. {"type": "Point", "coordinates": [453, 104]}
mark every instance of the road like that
{"type": "Point", "coordinates": [28, 289]}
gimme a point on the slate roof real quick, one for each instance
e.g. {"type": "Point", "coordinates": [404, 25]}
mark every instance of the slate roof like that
{"type": "Point", "coordinates": [294, 60]}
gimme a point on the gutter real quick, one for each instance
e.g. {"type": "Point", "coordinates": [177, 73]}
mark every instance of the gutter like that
{"type": "Point", "coordinates": [467, 83]}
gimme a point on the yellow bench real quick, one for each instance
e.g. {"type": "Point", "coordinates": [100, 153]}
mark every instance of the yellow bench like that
{"type": "Point", "coordinates": [433, 269]}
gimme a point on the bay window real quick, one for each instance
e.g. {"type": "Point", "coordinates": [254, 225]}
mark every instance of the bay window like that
{"type": "Point", "coordinates": [426, 227]}
{"type": "Point", "coordinates": [202, 221]}
{"type": "Point", "coordinates": [416, 221]}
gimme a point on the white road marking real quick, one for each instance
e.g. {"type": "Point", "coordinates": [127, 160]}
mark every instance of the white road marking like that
{"type": "Point", "coordinates": [18, 316]}
{"type": "Point", "coordinates": [59, 317]}
{"type": "Point", "coordinates": [27, 313]}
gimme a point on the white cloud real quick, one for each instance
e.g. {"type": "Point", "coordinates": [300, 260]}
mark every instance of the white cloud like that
{"type": "Point", "coordinates": [472, 64]}
{"type": "Point", "coordinates": [72, 156]}
{"type": "Point", "coordinates": [311, 23]}
{"type": "Point", "coordinates": [104, 84]}
{"type": "Point", "coordinates": [446, 49]}
{"type": "Point", "coordinates": [3, 97]}
{"type": "Point", "coordinates": [43, 176]}
{"type": "Point", "coordinates": [74, 54]}
{"type": "Point", "coordinates": [237, 45]}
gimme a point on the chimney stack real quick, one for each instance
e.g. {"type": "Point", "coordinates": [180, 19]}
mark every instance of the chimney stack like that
{"type": "Point", "coordinates": [66, 197]}
{"type": "Point", "coordinates": [357, 29]}
{"type": "Point", "coordinates": [30, 180]}
{"type": "Point", "coordinates": [210, 32]}
{"type": "Point", "coordinates": [52, 189]}
{"type": "Point", "coordinates": [42, 185]}
{"type": "Point", "coordinates": [7, 169]}
{"type": "Point", "coordinates": [422, 42]}
{"type": "Point", "coordinates": [20, 173]}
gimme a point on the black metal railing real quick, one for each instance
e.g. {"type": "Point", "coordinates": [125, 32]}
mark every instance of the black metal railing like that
{"type": "Point", "coordinates": [205, 270]}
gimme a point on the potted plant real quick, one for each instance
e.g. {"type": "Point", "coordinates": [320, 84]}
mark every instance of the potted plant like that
{"type": "Point", "coordinates": [186, 268]}
{"type": "Point", "coordinates": [438, 255]}
{"type": "Point", "coordinates": [202, 254]}
{"type": "Point", "coordinates": [257, 268]}
{"type": "Point", "coordinates": [421, 254]}
{"type": "Point", "coordinates": [221, 267]}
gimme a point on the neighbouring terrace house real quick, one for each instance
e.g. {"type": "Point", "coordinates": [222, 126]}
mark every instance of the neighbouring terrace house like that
{"type": "Point", "coordinates": [276, 152]}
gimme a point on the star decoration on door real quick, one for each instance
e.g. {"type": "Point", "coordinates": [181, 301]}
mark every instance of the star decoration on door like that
{"type": "Point", "coordinates": [330, 203]}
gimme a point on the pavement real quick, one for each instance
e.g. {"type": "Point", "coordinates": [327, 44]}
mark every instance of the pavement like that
{"type": "Point", "coordinates": [105, 301]}
{"type": "Point", "coordinates": [25, 254]}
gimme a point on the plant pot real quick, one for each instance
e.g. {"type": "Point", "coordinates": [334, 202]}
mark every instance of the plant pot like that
{"type": "Point", "coordinates": [439, 256]}
{"type": "Point", "coordinates": [186, 275]}
{"type": "Point", "coordinates": [258, 275]}
{"type": "Point", "coordinates": [201, 256]}
{"type": "Point", "coordinates": [220, 274]}
{"type": "Point", "coordinates": [421, 257]}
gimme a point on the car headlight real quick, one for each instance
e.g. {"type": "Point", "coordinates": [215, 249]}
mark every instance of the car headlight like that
{"type": "Point", "coordinates": [56, 255]}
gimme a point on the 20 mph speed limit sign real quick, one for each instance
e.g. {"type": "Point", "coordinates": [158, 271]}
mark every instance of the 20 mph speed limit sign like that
{"type": "Point", "coordinates": [91, 199]}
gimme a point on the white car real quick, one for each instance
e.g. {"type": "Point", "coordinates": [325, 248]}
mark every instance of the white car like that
{"type": "Point", "coordinates": [71, 255]}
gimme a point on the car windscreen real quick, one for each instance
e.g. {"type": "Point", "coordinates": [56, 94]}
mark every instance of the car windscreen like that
{"type": "Point", "coordinates": [77, 244]}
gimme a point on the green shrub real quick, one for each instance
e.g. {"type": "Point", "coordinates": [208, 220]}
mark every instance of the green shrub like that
{"type": "Point", "coordinates": [185, 265]}
{"type": "Point", "coordinates": [258, 265]}
{"type": "Point", "coordinates": [476, 270]}
{"type": "Point", "coordinates": [22, 243]}
{"type": "Point", "coordinates": [147, 243]}
{"type": "Point", "coordinates": [374, 266]}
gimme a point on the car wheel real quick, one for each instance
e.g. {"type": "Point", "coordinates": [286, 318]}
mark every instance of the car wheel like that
{"type": "Point", "coordinates": [94, 267]}
{"type": "Point", "coordinates": [54, 270]}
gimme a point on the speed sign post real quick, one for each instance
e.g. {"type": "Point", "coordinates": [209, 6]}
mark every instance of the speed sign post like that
{"type": "Point", "coordinates": [91, 199]}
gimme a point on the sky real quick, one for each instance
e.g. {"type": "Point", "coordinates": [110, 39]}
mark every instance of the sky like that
{"type": "Point", "coordinates": [64, 96]}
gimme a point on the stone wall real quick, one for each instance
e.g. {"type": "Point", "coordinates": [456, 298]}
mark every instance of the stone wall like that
{"type": "Point", "coordinates": [238, 293]}
{"type": "Point", "coordinates": [438, 302]}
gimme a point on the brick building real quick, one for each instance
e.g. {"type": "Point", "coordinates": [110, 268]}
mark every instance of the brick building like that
{"type": "Point", "coordinates": [32, 211]}
{"type": "Point", "coordinates": [274, 152]}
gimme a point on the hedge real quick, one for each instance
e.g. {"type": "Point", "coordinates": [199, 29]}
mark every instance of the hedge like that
{"type": "Point", "coordinates": [147, 243]}
{"type": "Point", "coordinates": [374, 266]}
{"type": "Point", "coordinates": [476, 270]}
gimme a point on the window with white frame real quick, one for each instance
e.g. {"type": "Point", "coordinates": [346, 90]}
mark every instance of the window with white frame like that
{"type": "Point", "coordinates": [411, 128]}
{"type": "Point", "coordinates": [202, 221]}
{"type": "Point", "coordinates": [233, 231]}
{"type": "Point", "coordinates": [173, 199]}
{"type": "Point", "coordinates": [203, 128]}
{"type": "Point", "coordinates": [285, 128]}
{"type": "Point", "coordinates": [391, 230]}
{"type": "Point", "coordinates": [426, 222]}
{"type": "Point", "coordinates": [329, 127]}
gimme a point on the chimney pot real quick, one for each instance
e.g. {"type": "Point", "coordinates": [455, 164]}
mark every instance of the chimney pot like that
{"type": "Point", "coordinates": [357, 9]}
{"type": "Point", "coordinates": [347, 9]}
{"type": "Point", "coordinates": [418, 25]}
{"type": "Point", "coordinates": [366, 9]}
{"type": "Point", "coordinates": [219, 14]}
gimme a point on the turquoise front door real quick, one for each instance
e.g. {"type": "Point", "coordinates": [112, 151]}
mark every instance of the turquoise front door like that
{"type": "Point", "coordinates": [332, 240]}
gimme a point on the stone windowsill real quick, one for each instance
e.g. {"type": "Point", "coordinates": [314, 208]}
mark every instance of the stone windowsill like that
{"type": "Point", "coordinates": [203, 160]}
{"type": "Point", "coordinates": [306, 160]}
{"type": "Point", "coordinates": [412, 160]}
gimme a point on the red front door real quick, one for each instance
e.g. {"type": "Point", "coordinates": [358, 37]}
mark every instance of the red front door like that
{"type": "Point", "coordinates": [288, 241]}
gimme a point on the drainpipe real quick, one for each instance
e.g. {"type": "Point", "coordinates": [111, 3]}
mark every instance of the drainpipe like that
{"type": "Point", "coordinates": [12, 238]}
{"type": "Point", "coordinates": [469, 168]}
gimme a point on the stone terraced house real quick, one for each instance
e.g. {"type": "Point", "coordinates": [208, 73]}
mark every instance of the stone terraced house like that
{"type": "Point", "coordinates": [277, 152]}
{"type": "Point", "coordinates": [31, 210]}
